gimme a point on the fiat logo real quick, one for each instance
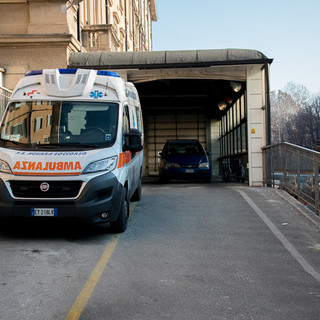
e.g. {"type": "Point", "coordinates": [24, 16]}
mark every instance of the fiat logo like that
{"type": "Point", "coordinates": [44, 186]}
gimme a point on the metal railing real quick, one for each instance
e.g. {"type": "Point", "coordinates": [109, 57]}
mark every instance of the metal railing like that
{"type": "Point", "coordinates": [4, 98]}
{"type": "Point", "coordinates": [294, 169]}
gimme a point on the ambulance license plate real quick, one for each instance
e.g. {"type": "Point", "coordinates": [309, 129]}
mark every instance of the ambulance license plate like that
{"type": "Point", "coordinates": [44, 212]}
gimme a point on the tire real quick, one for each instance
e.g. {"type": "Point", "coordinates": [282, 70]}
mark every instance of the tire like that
{"type": "Point", "coordinates": [163, 179]}
{"type": "Point", "coordinates": [120, 225]}
{"type": "Point", "coordinates": [137, 194]}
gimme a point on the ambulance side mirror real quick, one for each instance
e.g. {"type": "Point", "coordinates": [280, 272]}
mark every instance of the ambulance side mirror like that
{"type": "Point", "coordinates": [133, 141]}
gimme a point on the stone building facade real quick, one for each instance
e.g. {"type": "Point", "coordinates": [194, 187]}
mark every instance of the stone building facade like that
{"type": "Point", "coordinates": [38, 34]}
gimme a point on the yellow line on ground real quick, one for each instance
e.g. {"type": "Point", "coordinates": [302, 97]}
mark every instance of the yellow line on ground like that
{"type": "Point", "coordinates": [86, 292]}
{"type": "Point", "coordinates": [90, 285]}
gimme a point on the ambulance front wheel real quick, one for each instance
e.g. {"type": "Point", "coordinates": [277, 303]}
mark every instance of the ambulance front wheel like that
{"type": "Point", "coordinates": [120, 225]}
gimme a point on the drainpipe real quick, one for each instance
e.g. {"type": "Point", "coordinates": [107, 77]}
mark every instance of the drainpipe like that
{"type": "Point", "coordinates": [133, 27]}
{"type": "Point", "coordinates": [107, 12]}
{"type": "Point", "coordinates": [267, 100]}
{"type": "Point", "coordinates": [126, 23]}
{"type": "Point", "coordinates": [151, 37]}
{"type": "Point", "coordinates": [79, 38]}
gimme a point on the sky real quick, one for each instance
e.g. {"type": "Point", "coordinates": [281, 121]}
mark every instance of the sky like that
{"type": "Point", "coordinates": [287, 31]}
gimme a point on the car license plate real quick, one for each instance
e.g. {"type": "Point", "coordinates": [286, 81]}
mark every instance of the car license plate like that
{"type": "Point", "coordinates": [189, 171]}
{"type": "Point", "coordinates": [44, 212]}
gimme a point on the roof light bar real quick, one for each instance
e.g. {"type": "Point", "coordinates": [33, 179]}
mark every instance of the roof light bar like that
{"type": "Point", "coordinates": [74, 71]}
{"type": "Point", "coordinates": [108, 73]}
{"type": "Point", "coordinates": [67, 71]}
{"type": "Point", "coordinates": [33, 73]}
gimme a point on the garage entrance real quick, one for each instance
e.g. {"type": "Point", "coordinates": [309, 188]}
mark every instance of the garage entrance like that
{"type": "Point", "coordinates": [160, 128]}
{"type": "Point", "coordinates": [183, 109]}
{"type": "Point", "coordinates": [219, 97]}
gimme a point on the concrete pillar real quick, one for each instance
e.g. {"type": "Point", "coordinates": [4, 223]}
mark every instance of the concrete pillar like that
{"type": "Point", "coordinates": [215, 148]}
{"type": "Point", "coordinates": [2, 71]}
{"type": "Point", "coordinates": [256, 124]}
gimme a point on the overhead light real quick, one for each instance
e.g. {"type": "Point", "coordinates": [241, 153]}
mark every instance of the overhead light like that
{"type": "Point", "coordinates": [236, 86]}
{"type": "Point", "coordinates": [228, 99]}
{"type": "Point", "coordinates": [222, 105]}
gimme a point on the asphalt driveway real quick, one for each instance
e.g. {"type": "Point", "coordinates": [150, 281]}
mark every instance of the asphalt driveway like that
{"type": "Point", "coordinates": [191, 251]}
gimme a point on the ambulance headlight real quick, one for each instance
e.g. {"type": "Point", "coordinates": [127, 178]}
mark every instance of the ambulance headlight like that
{"type": "Point", "coordinates": [4, 167]}
{"type": "Point", "coordinates": [108, 164]}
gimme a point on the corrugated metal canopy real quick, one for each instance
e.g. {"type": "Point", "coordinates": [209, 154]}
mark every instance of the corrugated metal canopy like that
{"type": "Point", "coordinates": [231, 73]}
{"type": "Point", "coordinates": [166, 59]}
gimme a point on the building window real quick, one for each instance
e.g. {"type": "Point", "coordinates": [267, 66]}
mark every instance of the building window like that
{"type": "Point", "coordinates": [49, 120]}
{"type": "Point", "coordinates": [37, 124]}
{"type": "Point", "coordinates": [17, 130]}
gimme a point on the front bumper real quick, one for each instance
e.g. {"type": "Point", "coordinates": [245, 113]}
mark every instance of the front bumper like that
{"type": "Point", "coordinates": [100, 194]}
{"type": "Point", "coordinates": [187, 174]}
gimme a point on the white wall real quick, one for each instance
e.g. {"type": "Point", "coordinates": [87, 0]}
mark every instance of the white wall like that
{"type": "Point", "coordinates": [256, 124]}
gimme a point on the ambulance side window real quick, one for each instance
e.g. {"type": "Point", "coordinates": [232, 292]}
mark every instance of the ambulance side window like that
{"type": "Point", "coordinates": [126, 120]}
{"type": "Point", "coordinates": [139, 122]}
{"type": "Point", "coordinates": [125, 123]}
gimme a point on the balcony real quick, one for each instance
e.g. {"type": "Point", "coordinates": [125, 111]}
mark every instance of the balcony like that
{"type": "Point", "coordinates": [100, 37]}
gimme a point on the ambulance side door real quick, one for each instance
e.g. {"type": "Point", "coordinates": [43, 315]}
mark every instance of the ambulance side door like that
{"type": "Point", "coordinates": [133, 164]}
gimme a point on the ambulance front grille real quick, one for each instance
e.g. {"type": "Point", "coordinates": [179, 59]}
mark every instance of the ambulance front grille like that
{"type": "Point", "coordinates": [56, 189]}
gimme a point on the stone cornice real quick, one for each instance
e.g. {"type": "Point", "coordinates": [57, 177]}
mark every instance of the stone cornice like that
{"type": "Point", "coordinates": [12, 1]}
{"type": "Point", "coordinates": [97, 27]}
{"type": "Point", "coordinates": [28, 1]}
{"type": "Point", "coordinates": [62, 1]}
{"type": "Point", "coordinates": [34, 39]}
{"type": "Point", "coordinates": [39, 40]}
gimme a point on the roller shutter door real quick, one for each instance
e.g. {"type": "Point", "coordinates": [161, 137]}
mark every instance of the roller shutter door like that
{"type": "Point", "coordinates": [161, 128]}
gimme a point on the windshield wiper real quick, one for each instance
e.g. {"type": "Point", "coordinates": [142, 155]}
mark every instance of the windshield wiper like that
{"type": "Point", "coordinates": [66, 145]}
{"type": "Point", "coordinates": [48, 146]}
{"type": "Point", "coordinates": [83, 145]}
{"type": "Point", "coordinates": [17, 143]}
{"type": "Point", "coordinates": [72, 145]}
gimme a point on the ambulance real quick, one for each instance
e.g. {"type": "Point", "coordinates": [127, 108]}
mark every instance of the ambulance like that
{"type": "Point", "coordinates": [71, 146]}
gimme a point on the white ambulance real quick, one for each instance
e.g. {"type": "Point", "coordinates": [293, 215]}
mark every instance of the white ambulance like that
{"type": "Point", "coordinates": [71, 147]}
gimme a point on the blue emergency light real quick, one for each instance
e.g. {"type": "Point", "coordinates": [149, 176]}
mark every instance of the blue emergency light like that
{"type": "Point", "coordinates": [68, 71]}
{"type": "Point", "coordinates": [108, 73]}
{"type": "Point", "coordinates": [33, 73]}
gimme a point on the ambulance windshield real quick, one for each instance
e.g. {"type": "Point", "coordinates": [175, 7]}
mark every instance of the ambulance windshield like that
{"type": "Point", "coordinates": [60, 124]}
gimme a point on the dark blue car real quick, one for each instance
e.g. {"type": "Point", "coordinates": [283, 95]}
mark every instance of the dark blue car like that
{"type": "Point", "coordinates": [184, 159]}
